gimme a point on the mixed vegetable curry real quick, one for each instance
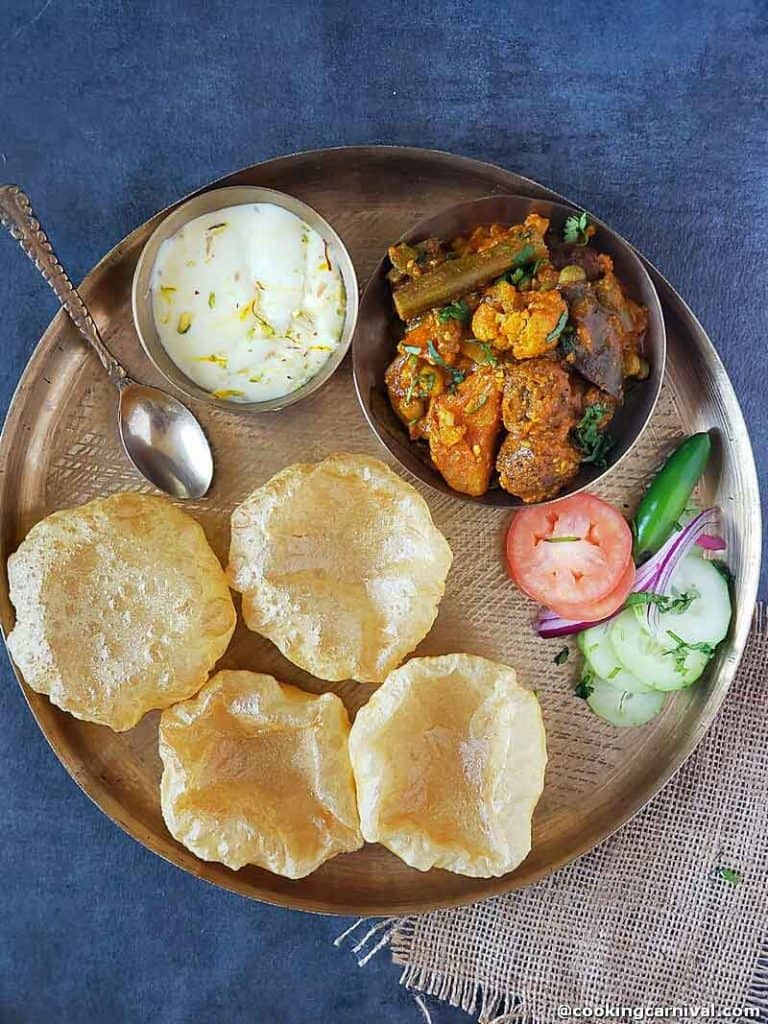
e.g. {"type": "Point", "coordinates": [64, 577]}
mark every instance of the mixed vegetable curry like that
{"type": "Point", "coordinates": [515, 355]}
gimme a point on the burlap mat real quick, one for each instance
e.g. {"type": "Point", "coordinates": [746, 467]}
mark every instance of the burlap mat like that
{"type": "Point", "coordinates": [670, 912]}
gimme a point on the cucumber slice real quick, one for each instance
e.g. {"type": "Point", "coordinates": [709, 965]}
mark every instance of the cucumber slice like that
{"type": "Point", "coordinates": [707, 618]}
{"type": "Point", "coordinates": [650, 659]}
{"type": "Point", "coordinates": [595, 645]}
{"type": "Point", "coordinates": [624, 709]}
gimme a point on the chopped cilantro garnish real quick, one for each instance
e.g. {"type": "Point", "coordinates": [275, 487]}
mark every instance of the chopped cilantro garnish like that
{"type": "Point", "coordinates": [586, 685]}
{"type": "Point", "coordinates": [425, 382]}
{"type": "Point", "coordinates": [562, 656]}
{"type": "Point", "coordinates": [591, 438]}
{"type": "Point", "coordinates": [724, 571]}
{"type": "Point", "coordinates": [525, 255]}
{"type": "Point", "coordinates": [683, 649]}
{"type": "Point", "coordinates": [490, 356]}
{"type": "Point", "coordinates": [559, 327]}
{"type": "Point", "coordinates": [575, 231]}
{"type": "Point", "coordinates": [664, 603]}
{"type": "Point", "coordinates": [729, 875]}
{"type": "Point", "coordinates": [454, 311]}
{"type": "Point", "coordinates": [434, 355]}
{"type": "Point", "coordinates": [568, 339]}
{"type": "Point", "coordinates": [457, 376]}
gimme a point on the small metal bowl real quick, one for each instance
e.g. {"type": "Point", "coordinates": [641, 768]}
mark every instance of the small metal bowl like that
{"type": "Point", "coordinates": [379, 329]}
{"type": "Point", "coordinates": [207, 202]}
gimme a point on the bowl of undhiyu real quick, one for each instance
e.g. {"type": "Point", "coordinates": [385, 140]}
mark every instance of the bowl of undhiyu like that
{"type": "Point", "coordinates": [245, 298]}
{"type": "Point", "coordinates": [509, 351]}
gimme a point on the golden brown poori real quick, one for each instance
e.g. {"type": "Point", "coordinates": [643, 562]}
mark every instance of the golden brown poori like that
{"type": "Point", "coordinates": [121, 607]}
{"type": "Point", "coordinates": [340, 566]}
{"type": "Point", "coordinates": [449, 757]}
{"type": "Point", "coordinates": [258, 772]}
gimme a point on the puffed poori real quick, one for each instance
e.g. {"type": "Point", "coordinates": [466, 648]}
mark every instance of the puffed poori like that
{"type": "Point", "coordinates": [340, 566]}
{"type": "Point", "coordinates": [258, 772]}
{"type": "Point", "coordinates": [449, 757]}
{"type": "Point", "coordinates": [121, 607]}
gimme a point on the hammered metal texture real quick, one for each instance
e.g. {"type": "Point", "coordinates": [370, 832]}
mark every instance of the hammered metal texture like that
{"type": "Point", "coordinates": [60, 447]}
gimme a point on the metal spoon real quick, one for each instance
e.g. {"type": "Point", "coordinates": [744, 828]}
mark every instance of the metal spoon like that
{"type": "Point", "coordinates": [161, 436]}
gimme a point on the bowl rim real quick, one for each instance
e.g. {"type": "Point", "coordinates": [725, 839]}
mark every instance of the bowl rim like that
{"type": "Point", "coordinates": [197, 205]}
{"type": "Point", "coordinates": [489, 499]}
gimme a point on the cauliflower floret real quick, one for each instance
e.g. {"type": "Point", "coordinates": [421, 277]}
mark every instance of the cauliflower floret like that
{"type": "Point", "coordinates": [527, 327]}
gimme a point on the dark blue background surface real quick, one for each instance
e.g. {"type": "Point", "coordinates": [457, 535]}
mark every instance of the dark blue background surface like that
{"type": "Point", "coordinates": [651, 114]}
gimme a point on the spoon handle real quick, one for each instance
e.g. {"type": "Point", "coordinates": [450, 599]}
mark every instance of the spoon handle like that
{"type": "Point", "coordinates": [17, 215]}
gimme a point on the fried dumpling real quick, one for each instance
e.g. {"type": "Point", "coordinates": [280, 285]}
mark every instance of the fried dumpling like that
{"type": "Point", "coordinates": [449, 757]}
{"type": "Point", "coordinates": [258, 772]}
{"type": "Point", "coordinates": [339, 565]}
{"type": "Point", "coordinates": [121, 607]}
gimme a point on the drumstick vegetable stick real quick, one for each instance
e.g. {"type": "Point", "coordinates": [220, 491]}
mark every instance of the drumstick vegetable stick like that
{"type": "Point", "coordinates": [456, 277]}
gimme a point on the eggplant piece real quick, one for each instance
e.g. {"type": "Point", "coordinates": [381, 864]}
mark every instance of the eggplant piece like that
{"type": "Point", "coordinates": [597, 347]}
{"type": "Point", "coordinates": [563, 254]}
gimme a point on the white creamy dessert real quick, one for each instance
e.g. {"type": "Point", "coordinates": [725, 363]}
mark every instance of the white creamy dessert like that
{"type": "Point", "coordinates": [248, 301]}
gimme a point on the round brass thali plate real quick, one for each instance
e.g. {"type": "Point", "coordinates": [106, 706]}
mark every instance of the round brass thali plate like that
{"type": "Point", "coordinates": [60, 447]}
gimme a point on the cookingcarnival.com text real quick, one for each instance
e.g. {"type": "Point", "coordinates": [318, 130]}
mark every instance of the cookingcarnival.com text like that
{"type": "Point", "coordinates": [617, 1012]}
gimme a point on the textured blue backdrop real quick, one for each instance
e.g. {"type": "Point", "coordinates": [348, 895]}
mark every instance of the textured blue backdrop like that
{"type": "Point", "coordinates": [651, 114]}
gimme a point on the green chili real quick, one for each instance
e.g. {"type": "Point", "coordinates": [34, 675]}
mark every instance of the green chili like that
{"type": "Point", "coordinates": [665, 500]}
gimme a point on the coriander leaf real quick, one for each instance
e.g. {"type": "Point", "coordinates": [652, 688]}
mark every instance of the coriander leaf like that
{"type": "Point", "coordinates": [522, 267]}
{"type": "Point", "coordinates": [425, 382]}
{"type": "Point", "coordinates": [559, 327]}
{"type": "Point", "coordinates": [454, 311]}
{"type": "Point", "coordinates": [575, 230]}
{"type": "Point", "coordinates": [591, 438]}
{"type": "Point", "coordinates": [724, 570]}
{"type": "Point", "coordinates": [683, 649]}
{"type": "Point", "coordinates": [729, 875]}
{"type": "Point", "coordinates": [434, 355]}
{"type": "Point", "coordinates": [568, 340]}
{"type": "Point", "coordinates": [677, 605]}
{"type": "Point", "coordinates": [525, 255]}
{"type": "Point", "coordinates": [490, 356]}
{"type": "Point", "coordinates": [586, 685]}
{"type": "Point", "coordinates": [562, 656]}
{"type": "Point", "coordinates": [457, 377]}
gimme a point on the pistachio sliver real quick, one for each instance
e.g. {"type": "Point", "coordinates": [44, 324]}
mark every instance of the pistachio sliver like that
{"type": "Point", "coordinates": [266, 326]}
{"type": "Point", "coordinates": [228, 393]}
{"type": "Point", "coordinates": [211, 300]}
{"type": "Point", "coordinates": [185, 322]}
{"type": "Point", "coordinates": [217, 360]}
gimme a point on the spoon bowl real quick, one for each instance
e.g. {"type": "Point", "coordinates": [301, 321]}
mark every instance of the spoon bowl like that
{"type": "Point", "coordinates": [164, 441]}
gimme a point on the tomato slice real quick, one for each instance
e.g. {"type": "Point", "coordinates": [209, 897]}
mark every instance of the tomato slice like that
{"type": "Point", "coordinates": [569, 554]}
{"type": "Point", "coordinates": [606, 606]}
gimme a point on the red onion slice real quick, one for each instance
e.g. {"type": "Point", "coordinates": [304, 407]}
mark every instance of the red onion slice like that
{"type": "Point", "coordinates": [673, 552]}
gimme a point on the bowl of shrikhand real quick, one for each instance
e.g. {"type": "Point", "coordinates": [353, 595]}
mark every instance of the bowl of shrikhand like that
{"type": "Point", "coordinates": [245, 298]}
